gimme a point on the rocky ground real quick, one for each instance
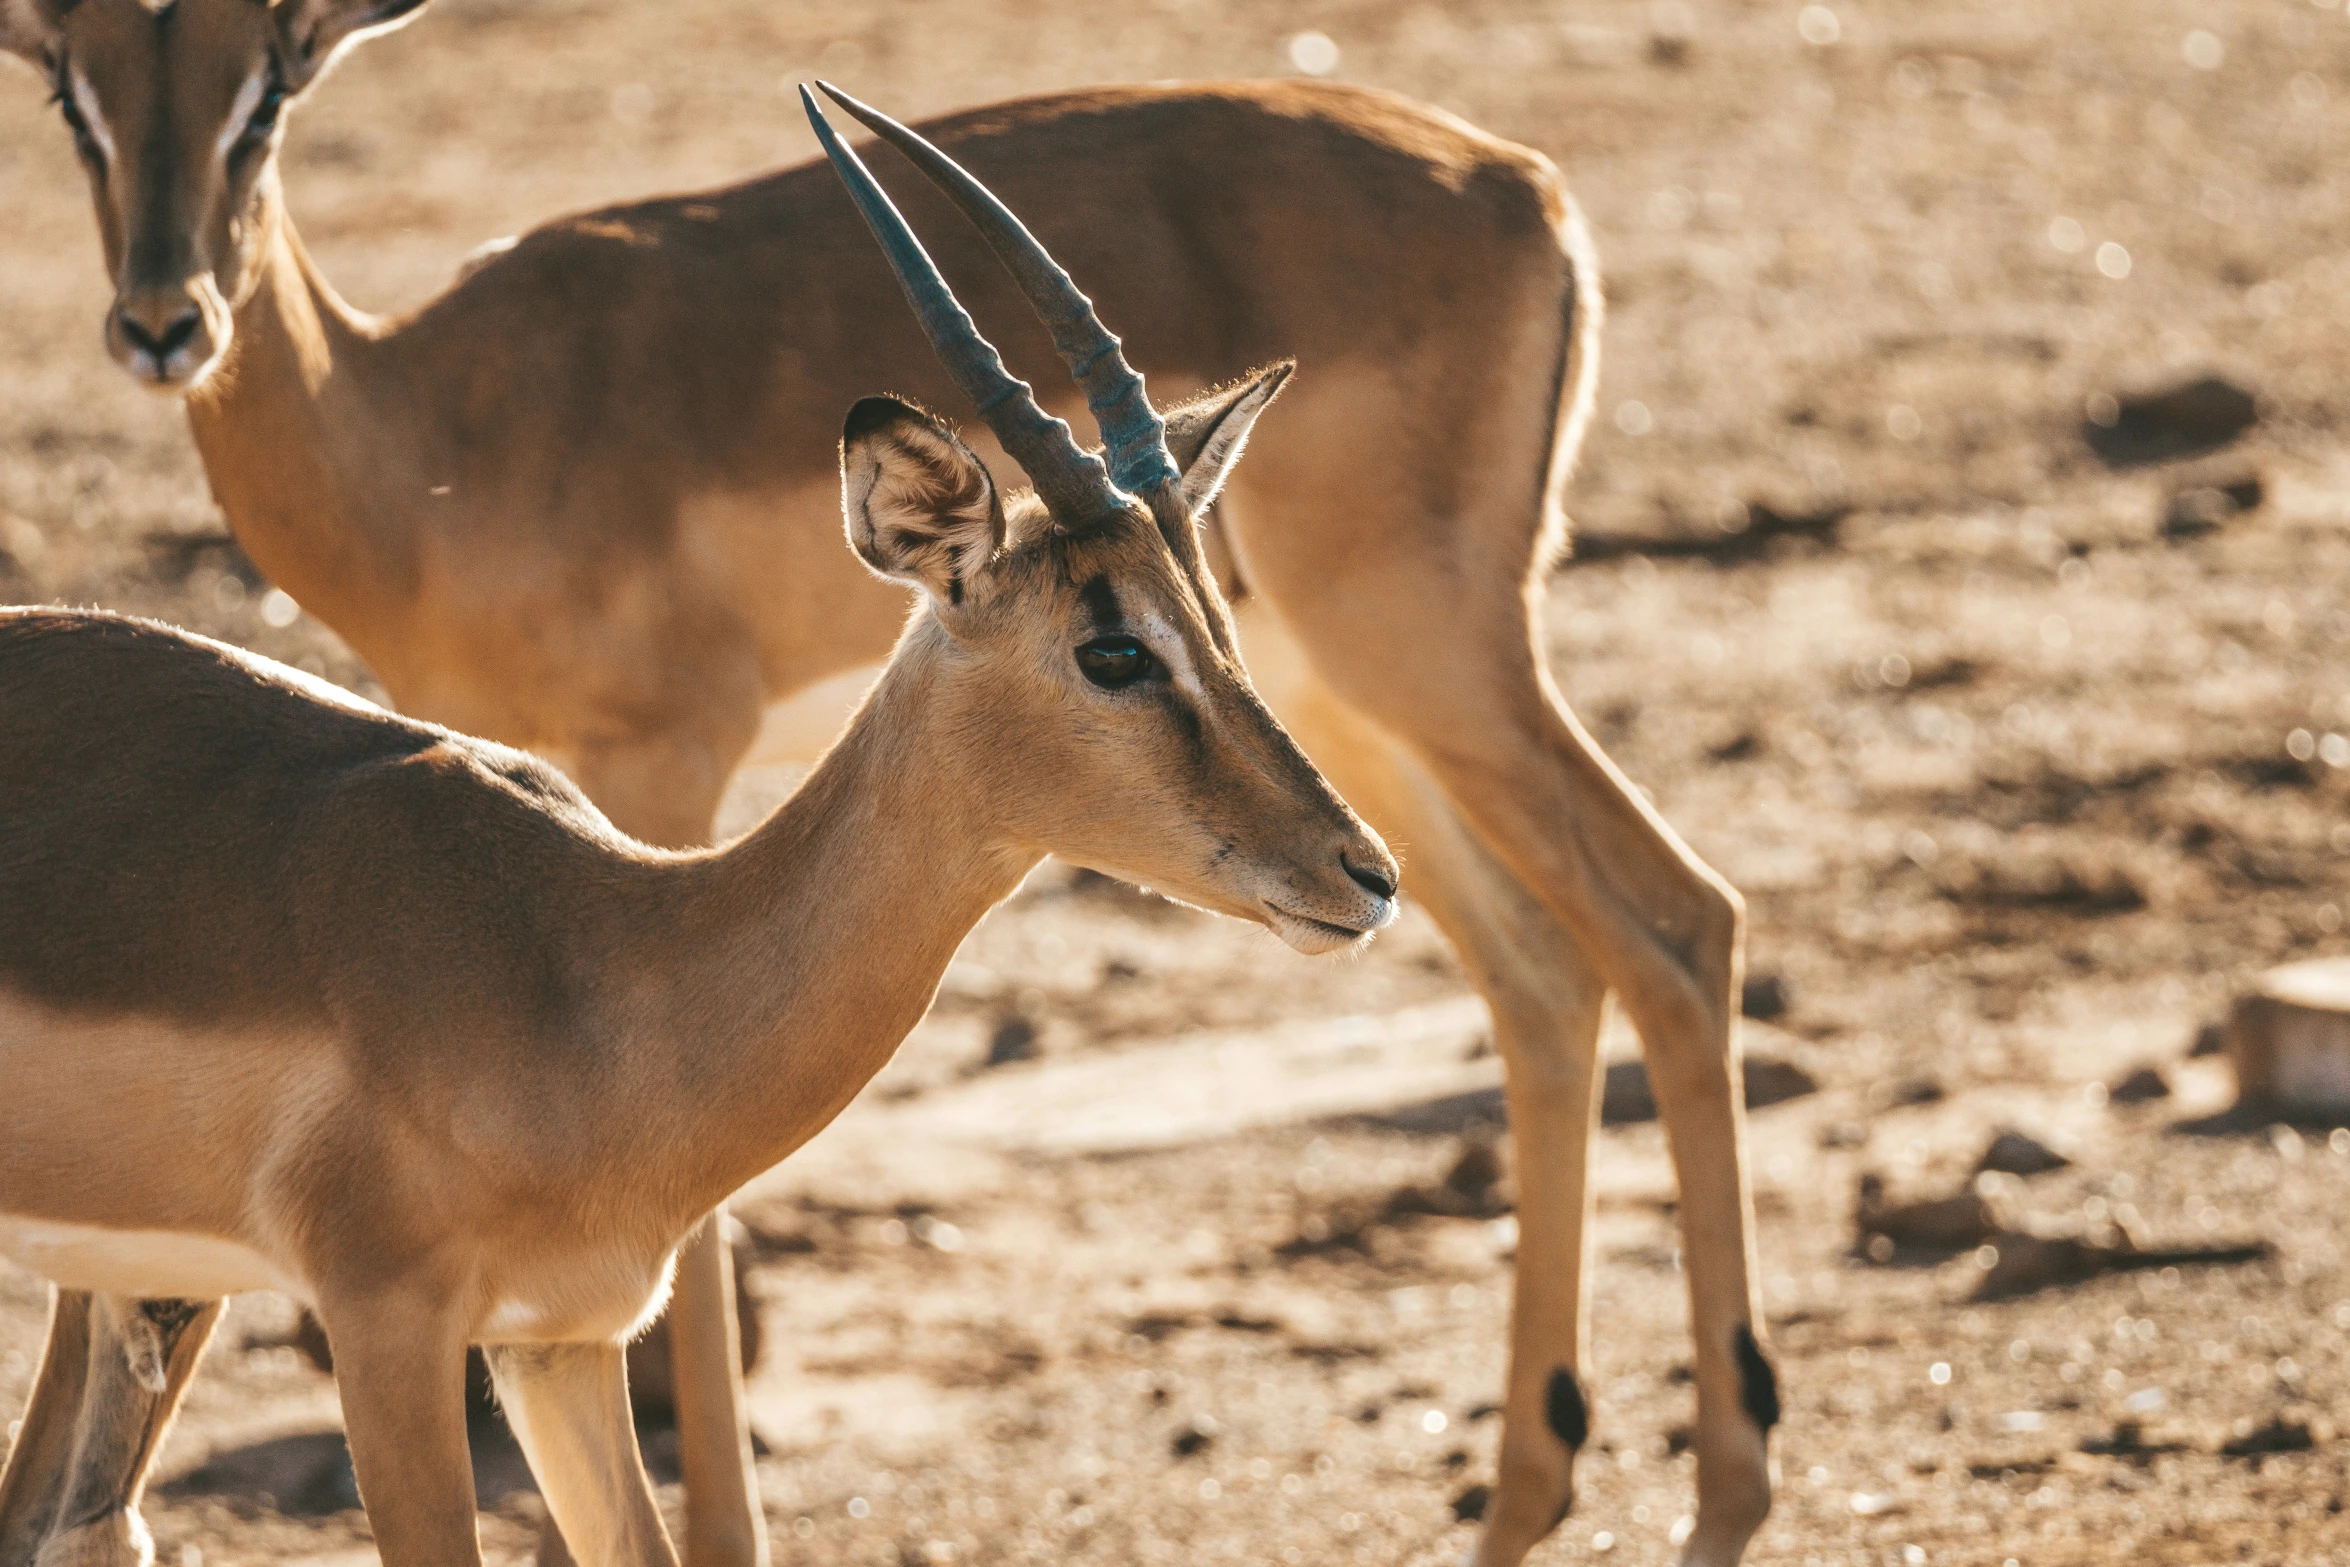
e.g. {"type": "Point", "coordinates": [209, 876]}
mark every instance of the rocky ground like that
{"type": "Point", "coordinates": [2014, 700]}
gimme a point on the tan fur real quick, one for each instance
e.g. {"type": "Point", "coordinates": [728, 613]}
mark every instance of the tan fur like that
{"type": "Point", "coordinates": [465, 1063]}
{"type": "Point", "coordinates": [517, 508]}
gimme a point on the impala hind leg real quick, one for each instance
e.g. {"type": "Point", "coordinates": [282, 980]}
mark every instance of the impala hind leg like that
{"type": "Point", "coordinates": [724, 1523]}
{"type": "Point", "coordinates": [666, 791]}
{"type": "Point", "coordinates": [1665, 933]}
{"type": "Point", "coordinates": [1459, 684]}
{"type": "Point", "coordinates": [40, 1458]}
{"type": "Point", "coordinates": [138, 1357]}
{"type": "Point", "coordinates": [568, 1405]}
{"type": "Point", "coordinates": [1546, 1003]}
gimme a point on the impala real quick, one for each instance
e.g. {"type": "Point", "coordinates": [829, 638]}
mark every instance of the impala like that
{"type": "Point", "coordinates": [296, 994]}
{"type": "Point", "coordinates": [571, 504]}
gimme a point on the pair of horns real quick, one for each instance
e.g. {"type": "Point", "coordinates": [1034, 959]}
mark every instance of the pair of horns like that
{"type": "Point", "coordinates": [1073, 481]}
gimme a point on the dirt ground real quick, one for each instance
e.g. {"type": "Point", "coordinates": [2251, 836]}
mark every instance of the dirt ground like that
{"type": "Point", "coordinates": [2023, 741]}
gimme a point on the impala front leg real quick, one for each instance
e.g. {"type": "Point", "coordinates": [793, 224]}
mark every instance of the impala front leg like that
{"type": "Point", "coordinates": [400, 1366]}
{"type": "Point", "coordinates": [666, 790]}
{"type": "Point", "coordinates": [568, 1405]}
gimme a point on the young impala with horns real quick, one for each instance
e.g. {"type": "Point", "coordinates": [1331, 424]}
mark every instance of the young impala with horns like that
{"type": "Point", "coordinates": [295, 994]}
{"type": "Point", "coordinates": [574, 504]}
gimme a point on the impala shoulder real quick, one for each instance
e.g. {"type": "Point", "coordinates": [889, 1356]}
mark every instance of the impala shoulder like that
{"type": "Point", "coordinates": [459, 791]}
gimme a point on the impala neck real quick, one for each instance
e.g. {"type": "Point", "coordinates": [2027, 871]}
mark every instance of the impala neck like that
{"type": "Point", "coordinates": [796, 960]}
{"type": "Point", "coordinates": [294, 427]}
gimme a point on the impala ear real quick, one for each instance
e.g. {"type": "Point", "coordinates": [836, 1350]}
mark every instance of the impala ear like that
{"type": "Point", "coordinates": [314, 32]}
{"type": "Point", "coordinates": [1205, 435]}
{"type": "Point", "coordinates": [920, 507]}
{"type": "Point", "coordinates": [28, 30]}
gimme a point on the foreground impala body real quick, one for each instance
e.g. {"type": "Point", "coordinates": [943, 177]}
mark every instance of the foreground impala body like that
{"type": "Point", "coordinates": [298, 995]}
{"type": "Point", "coordinates": [572, 504]}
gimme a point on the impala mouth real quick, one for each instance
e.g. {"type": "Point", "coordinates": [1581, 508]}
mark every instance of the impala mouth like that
{"type": "Point", "coordinates": [1316, 936]}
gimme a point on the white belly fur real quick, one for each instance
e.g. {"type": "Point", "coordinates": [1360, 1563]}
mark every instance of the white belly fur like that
{"type": "Point", "coordinates": [81, 1097]}
{"type": "Point", "coordinates": [151, 1264]}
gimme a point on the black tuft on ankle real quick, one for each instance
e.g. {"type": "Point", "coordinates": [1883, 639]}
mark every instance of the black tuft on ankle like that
{"type": "Point", "coordinates": [1759, 1384]}
{"type": "Point", "coordinates": [1563, 1406]}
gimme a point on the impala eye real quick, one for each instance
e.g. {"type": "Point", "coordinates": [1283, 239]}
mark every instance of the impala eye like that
{"type": "Point", "coordinates": [74, 122]}
{"type": "Point", "coordinates": [265, 113]}
{"type": "Point", "coordinates": [1114, 663]}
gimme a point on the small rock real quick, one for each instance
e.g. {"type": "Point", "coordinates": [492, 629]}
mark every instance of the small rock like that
{"type": "Point", "coordinates": [1911, 1092]}
{"type": "Point", "coordinates": [2173, 421]}
{"type": "Point", "coordinates": [1469, 1506]}
{"type": "Point", "coordinates": [1737, 748]}
{"type": "Point", "coordinates": [2015, 1153]}
{"type": "Point", "coordinates": [1476, 1172]}
{"type": "Point", "coordinates": [2201, 508]}
{"type": "Point", "coordinates": [1195, 1437]}
{"type": "Point", "coordinates": [2140, 1086]}
{"type": "Point", "coordinates": [1014, 1040]}
{"type": "Point", "coordinates": [1771, 1081]}
{"type": "Point", "coordinates": [1763, 997]}
{"type": "Point", "coordinates": [2036, 1262]}
{"type": "Point", "coordinates": [1942, 1224]}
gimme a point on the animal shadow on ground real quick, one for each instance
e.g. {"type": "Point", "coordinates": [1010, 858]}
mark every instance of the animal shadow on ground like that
{"type": "Point", "coordinates": [308, 1474]}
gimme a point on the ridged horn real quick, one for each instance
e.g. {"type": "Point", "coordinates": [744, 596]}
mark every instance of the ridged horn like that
{"type": "Point", "coordinates": [1133, 434]}
{"type": "Point", "coordinates": [1072, 480]}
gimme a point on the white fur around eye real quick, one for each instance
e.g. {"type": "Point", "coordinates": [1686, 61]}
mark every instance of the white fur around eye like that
{"type": "Point", "coordinates": [248, 99]}
{"type": "Point", "coordinates": [85, 101]}
{"type": "Point", "coordinates": [1167, 645]}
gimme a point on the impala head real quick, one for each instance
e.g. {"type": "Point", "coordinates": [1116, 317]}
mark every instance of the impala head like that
{"type": "Point", "coordinates": [174, 108]}
{"type": "Point", "coordinates": [1118, 729]}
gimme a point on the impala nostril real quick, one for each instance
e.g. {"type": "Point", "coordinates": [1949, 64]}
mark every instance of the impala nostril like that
{"type": "Point", "coordinates": [176, 335]}
{"type": "Point", "coordinates": [1372, 882]}
{"type": "Point", "coordinates": [161, 344]}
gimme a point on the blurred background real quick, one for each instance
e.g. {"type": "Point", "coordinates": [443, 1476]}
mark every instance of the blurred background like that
{"type": "Point", "coordinates": [1961, 550]}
